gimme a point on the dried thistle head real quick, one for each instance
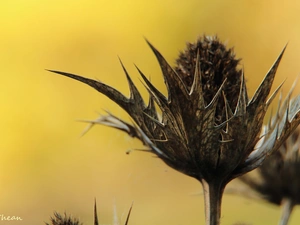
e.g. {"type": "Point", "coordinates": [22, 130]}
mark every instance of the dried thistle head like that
{"type": "Point", "coordinates": [208, 129]}
{"type": "Point", "coordinates": [68, 220]}
{"type": "Point", "coordinates": [277, 179]}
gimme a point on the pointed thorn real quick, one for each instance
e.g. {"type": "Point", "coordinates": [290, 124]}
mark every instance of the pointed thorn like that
{"type": "Point", "coordinates": [287, 113]}
{"type": "Point", "coordinates": [134, 93]}
{"type": "Point", "coordinates": [197, 76]}
{"type": "Point", "coordinates": [154, 120]}
{"type": "Point", "coordinates": [215, 98]}
{"type": "Point", "coordinates": [264, 88]}
{"type": "Point", "coordinates": [107, 90]}
{"type": "Point", "coordinates": [127, 219]}
{"type": "Point", "coordinates": [95, 214]}
{"type": "Point", "coordinates": [242, 98]}
{"type": "Point", "coordinates": [159, 98]}
{"type": "Point", "coordinates": [269, 101]}
{"type": "Point", "coordinates": [172, 79]}
{"type": "Point", "coordinates": [196, 87]}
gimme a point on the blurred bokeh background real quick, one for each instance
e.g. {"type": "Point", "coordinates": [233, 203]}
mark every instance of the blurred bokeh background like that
{"type": "Point", "coordinates": [45, 164]}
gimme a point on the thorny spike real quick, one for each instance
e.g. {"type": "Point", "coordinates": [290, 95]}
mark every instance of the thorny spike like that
{"type": "Point", "coordinates": [89, 127]}
{"type": "Point", "coordinates": [264, 88]}
{"type": "Point", "coordinates": [270, 119]}
{"type": "Point", "coordinates": [287, 114]}
{"type": "Point", "coordinates": [95, 214]}
{"type": "Point", "coordinates": [155, 120]}
{"type": "Point", "coordinates": [214, 101]}
{"type": "Point", "coordinates": [161, 101]}
{"type": "Point", "coordinates": [196, 88]}
{"type": "Point", "coordinates": [244, 87]}
{"type": "Point", "coordinates": [108, 91]}
{"type": "Point", "coordinates": [128, 215]}
{"type": "Point", "coordinates": [150, 109]}
{"type": "Point", "coordinates": [269, 101]}
{"type": "Point", "coordinates": [177, 92]}
{"type": "Point", "coordinates": [257, 106]}
{"type": "Point", "coordinates": [242, 99]}
{"type": "Point", "coordinates": [293, 118]}
{"type": "Point", "coordinates": [151, 105]}
{"type": "Point", "coordinates": [279, 105]}
{"type": "Point", "coordinates": [287, 99]}
{"type": "Point", "coordinates": [134, 93]}
{"type": "Point", "coordinates": [165, 110]}
{"type": "Point", "coordinates": [228, 112]}
{"type": "Point", "coordinates": [219, 127]}
{"type": "Point", "coordinates": [170, 76]}
{"type": "Point", "coordinates": [294, 108]}
{"type": "Point", "coordinates": [197, 77]}
{"type": "Point", "coordinates": [158, 96]}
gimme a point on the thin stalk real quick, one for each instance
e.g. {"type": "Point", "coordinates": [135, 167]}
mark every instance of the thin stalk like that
{"type": "Point", "coordinates": [213, 192]}
{"type": "Point", "coordinates": [287, 206]}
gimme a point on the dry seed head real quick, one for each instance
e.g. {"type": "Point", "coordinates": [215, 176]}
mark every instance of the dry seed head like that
{"type": "Point", "coordinates": [208, 127]}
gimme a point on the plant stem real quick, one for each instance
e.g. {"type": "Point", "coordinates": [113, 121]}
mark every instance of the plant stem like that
{"type": "Point", "coordinates": [213, 192]}
{"type": "Point", "coordinates": [287, 206]}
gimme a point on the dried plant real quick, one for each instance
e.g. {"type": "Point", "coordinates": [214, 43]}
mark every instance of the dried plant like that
{"type": "Point", "coordinates": [278, 179]}
{"type": "Point", "coordinates": [68, 220]}
{"type": "Point", "coordinates": [63, 220]}
{"type": "Point", "coordinates": [208, 129]}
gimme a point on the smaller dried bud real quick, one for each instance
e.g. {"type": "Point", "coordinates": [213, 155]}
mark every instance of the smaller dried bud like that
{"type": "Point", "coordinates": [278, 179]}
{"type": "Point", "coordinates": [69, 220]}
{"type": "Point", "coordinates": [58, 219]}
{"type": "Point", "coordinates": [279, 174]}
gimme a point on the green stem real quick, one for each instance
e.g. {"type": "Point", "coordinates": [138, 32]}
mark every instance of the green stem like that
{"type": "Point", "coordinates": [287, 206]}
{"type": "Point", "coordinates": [213, 192]}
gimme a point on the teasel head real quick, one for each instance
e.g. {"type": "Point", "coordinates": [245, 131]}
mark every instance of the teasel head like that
{"type": "Point", "coordinates": [208, 128]}
{"type": "Point", "coordinates": [277, 179]}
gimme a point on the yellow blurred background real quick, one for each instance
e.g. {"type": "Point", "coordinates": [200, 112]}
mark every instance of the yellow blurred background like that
{"type": "Point", "coordinates": [46, 166]}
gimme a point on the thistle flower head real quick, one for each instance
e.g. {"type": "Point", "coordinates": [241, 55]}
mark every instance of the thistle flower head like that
{"type": "Point", "coordinates": [208, 127]}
